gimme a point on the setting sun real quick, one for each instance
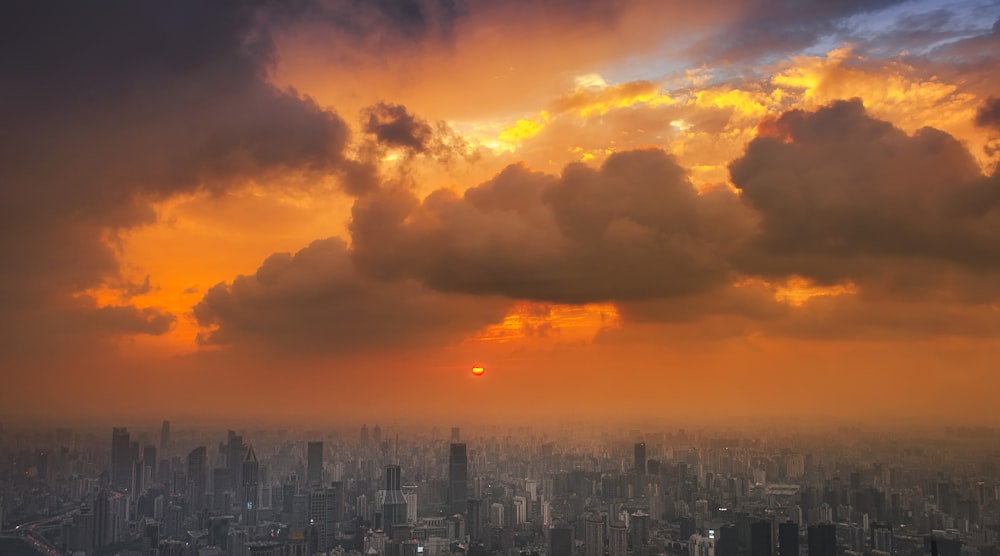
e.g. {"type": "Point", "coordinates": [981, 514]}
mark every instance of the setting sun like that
{"type": "Point", "coordinates": [478, 371]}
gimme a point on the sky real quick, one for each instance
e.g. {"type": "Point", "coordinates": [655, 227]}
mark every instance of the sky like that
{"type": "Point", "coordinates": [331, 211]}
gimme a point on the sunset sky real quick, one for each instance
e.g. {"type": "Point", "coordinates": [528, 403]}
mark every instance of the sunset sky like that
{"type": "Point", "coordinates": [332, 211]}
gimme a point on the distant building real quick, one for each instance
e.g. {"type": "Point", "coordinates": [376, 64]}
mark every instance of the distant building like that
{"type": "Point", "coordinates": [121, 460]}
{"type": "Point", "coordinates": [788, 539]}
{"type": "Point", "coordinates": [314, 463]}
{"type": "Point", "coordinates": [639, 464]}
{"type": "Point", "coordinates": [250, 473]}
{"type": "Point", "coordinates": [822, 539]}
{"type": "Point", "coordinates": [560, 541]}
{"type": "Point", "coordinates": [618, 539]}
{"type": "Point", "coordinates": [197, 461]}
{"type": "Point", "coordinates": [593, 540]}
{"type": "Point", "coordinates": [761, 538]}
{"type": "Point", "coordinates": [394, 505]}
{"type": "Point", "coordinates": [458, 478]}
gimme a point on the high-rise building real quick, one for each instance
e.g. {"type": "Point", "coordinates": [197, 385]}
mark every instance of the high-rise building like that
{"type": "Point", "coordinates": [394, 505]}
{"type": "Point", "coordinates": [121, 460]}
{"type": "Point", "coordinates": [458, 478]}
{"type": "Point", "coordinates": [475, 519]}
{"type": "Point", "coordinates": [699, 545]}
{"type": "Point", "coordinates": [197, 469]}
{"type": "Point", "coordinates": [250, 474]}
{"type": "Point", "coordinates": [561, 541]}
{"type": "Point", "coordinates": [324, 514]}
{"type": "Point", "coordinates": [593, 539]}
{"type": "Point", "coordinates": [410, 496]}
{"type": "Point", "coordinates": [234, 459]}
{"type": "Point", "coordinates": [314, 468]}
{"type": "Point", "coordinates": [617, 539]}
{"type": "Point", "coordinates": [640, 458]}
{"type": "Point", "coordinates": [455, 435]}
{"type": "Point", "coordinates": [761, 538]}
{"type": "Point", "coordinates": [882, 537]}
{"type": "Point", "coordinates": [164, 437]}
{"type": "Point", "coordinates": [639, 525]}
{"type": "Point", "coordinates": [822, 539]}
{"type": "Point", "coordinates": [788, 539]}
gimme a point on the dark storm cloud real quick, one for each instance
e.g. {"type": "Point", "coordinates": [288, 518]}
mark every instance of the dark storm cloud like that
{"type": "Point", "coordinates": [378, 22]}
{"type": "Point", "coordinates": [988, 115]}
{"type": "Point", "coordinates": [393, 126]}
{"type": "Point", "coordinates": [109, 106]}
{"type": "Point", "coordinates": [314, 301]}
{"type": "Point", "coordinates": [844, 196]}
{"type": "Point", "coordinates": [635, 228]}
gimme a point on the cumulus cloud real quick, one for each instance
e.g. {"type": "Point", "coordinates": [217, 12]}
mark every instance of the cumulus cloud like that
{"type": "Point", "coordinates": [842, 195]}
{"type": "Point", "coordinates": [110, 107]}
{"type": "Point", "coordinates": [315, 302]}
{"type": "Point", "coordinates": [988, 115]}
{"type": "Point", "coordinates": [635, 228]}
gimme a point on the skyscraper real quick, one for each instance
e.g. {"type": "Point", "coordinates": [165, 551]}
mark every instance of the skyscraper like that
{"type": "Point", "coordinates": [760, 538]}
{"type": "Point", "coordinates": [394, 506]}
{"type": "Point", "coordinates": [410, 495]}
{"type": "Point", "coordinates": [249, 472]}
{"type": "Point", "coordinates": [561, 541]}
{"type": "Point", "coordinates": [121, 460]}
{"type": "Point", "coordinates": [593, 540]}
{"type": "Point", "coordinates": [197, 470]}
{"type": "Point", "coordinates": [822, 539]}
{"type": "Point", "coordinates": [458, 478]}
{"type": "Point", "coordinates": [640, 458]}
{"type": "Point", "coordinates": [314, 469]}
{"type": "Point", "coordinates": [617, 539]}
{"type": "Point", "coordinates": [234, 460]}
{"type": "Point", "coordinates": [788, 539]}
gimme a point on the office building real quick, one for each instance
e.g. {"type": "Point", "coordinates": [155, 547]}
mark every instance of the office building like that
{"type": "Point", "coordinates": [618, 539]}
{"type": "Point", "coordinates": [593, 536]}
{"type": "Point", "coordinates": [121, 460]}
{"type": "Point", "coordinates": [788, 539]}
{"type": "Point", "coordinates": [822, 539]}
{"type": "Point", "coordinates": [761, 538]}
{"type": "Point", "coordinates": [639, 465]}
{"type": "Point", "coordinates": [314, 467]}
{"type": "Point", "coordinates": [197, 475]}
{"type": "Point", "coordinates": [394, 505]}
{"type": "Point", "coordinates": [458, 478]}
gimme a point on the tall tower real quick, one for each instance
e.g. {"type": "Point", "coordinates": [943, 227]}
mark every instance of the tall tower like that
{"type": "Point", "coordinates": [458, 478]}
{"type": "Point", "coordinates": [235, 450]}
{"type": "Point", "coordinates": [250, 471]}
{"type": "Point", "coordinates": [640, 458]}
{"type": "Point", "coordinates": [121, 460]}
{"type": "Point", "coordinates": [618, 539]}
{"type": "Point", "coordinates": [394, 506]}
{"type": "Point", "coordinates": [314, 469]}
{"type": "Point", "coordinates": [197, 462]}
{"type": "Point", "coordinates": [593, 541]}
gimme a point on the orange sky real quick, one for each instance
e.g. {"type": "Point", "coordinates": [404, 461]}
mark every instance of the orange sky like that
{"type": "Point", "coordinates": [638, 210]}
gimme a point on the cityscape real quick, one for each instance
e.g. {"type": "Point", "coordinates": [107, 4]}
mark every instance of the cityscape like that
{"type": "Point", "coordinates": [499, 278]}
{"type": "Point", "coordinates": [568, 491]}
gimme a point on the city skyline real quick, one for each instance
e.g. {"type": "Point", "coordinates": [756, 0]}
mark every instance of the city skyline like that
{"type": "Point", "coordinates": [639, 211]}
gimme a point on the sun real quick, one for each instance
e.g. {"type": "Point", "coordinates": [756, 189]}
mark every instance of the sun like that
{"type": "Point", "coordinates": [478, 370]}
